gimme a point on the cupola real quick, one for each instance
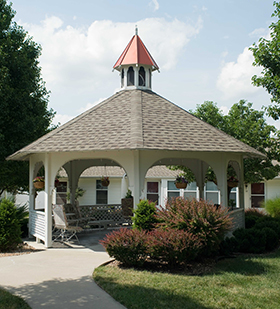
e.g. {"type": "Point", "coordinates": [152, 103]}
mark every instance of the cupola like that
{"type": "Point", "coordinates": [136, 65]}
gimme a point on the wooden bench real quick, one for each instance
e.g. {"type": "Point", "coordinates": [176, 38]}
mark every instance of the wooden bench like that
{"type": "Point", "coordinates": [101, 216]}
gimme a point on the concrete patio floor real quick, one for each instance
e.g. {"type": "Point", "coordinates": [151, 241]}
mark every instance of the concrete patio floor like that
{"type": "Point", "coordinates": [59, 277]}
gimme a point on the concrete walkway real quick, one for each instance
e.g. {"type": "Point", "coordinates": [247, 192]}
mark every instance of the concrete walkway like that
{"type": "Point", "coordinates": [59, 277]}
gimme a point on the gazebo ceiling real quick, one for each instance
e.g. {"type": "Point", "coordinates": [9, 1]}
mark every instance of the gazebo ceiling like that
{"type": "Point", "coordinates": [136, 119]}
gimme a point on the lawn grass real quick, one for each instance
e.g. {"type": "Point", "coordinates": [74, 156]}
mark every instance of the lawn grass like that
{"type": "Point", "coordinates": [251, 282]}
{"type": "Point", "coordinates": [9, 301]}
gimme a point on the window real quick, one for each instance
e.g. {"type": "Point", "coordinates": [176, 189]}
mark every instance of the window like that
{"type": "Point", "coordinates": [101, 193]}
{"type": "Point", "coordinates": [130, 76]}
{"type": "Point", "coordinates": [152, 191]}
{"type": "Point", "coordinates": [142, 77]}
{"type": "Point", "coordinates": [257, 194]}
{"type": "Point", "coordinates": [191, 191]}
{"type": "Point", "coordinates": [172, 191]}
{"type": "Point", "coordinates": [212, 192]}
{"type": "Point", "coordinates": [61, 193]}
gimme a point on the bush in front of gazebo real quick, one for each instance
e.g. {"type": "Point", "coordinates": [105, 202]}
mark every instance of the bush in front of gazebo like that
{"type": "Point", "coordinates": [184, 231]}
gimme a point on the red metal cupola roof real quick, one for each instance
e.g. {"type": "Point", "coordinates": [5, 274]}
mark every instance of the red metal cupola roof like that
{"type": "Point", "coordinates": [136, 53]}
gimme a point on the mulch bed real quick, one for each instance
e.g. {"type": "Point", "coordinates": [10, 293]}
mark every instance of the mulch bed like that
{"type": "Point", "coordinates": [23, 248]}
{"type": "Point", "coordinates": [190, 269]}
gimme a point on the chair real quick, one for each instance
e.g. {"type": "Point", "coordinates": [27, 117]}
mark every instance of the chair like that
{"type": "Point", "coordinates": [67, 228]}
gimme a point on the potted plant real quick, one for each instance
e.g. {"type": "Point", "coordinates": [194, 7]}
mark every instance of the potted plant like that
{"type": "Point", "coordinates": [127, 205]}
{"type": "Point", "coordinates": [39, 182]}
{"type": "Point", "coordinates": [181, 182]}
{"type": "Point", "coordinates": [105, 181]}
{"type": "Point", "coordinates": [232, 182]}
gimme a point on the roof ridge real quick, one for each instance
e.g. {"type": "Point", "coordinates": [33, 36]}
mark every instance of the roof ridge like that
{"type": "Point", "coordinates": [136, 119]}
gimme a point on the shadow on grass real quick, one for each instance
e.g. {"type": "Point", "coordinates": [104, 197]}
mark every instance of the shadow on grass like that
{"type": "Point", "coordinates": [250, 265]}
{"type": "Point", "coordinates": [131, 296]}
{"type": "Point", "coordinates": [59, 293]}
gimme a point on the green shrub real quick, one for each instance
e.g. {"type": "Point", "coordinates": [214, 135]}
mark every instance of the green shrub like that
{"type": "Point", "coordinates": [198, 218]}
{"type": "Point", "coordinates": [252, 215]}
{"type": "Point", "coordinates": [127, 246]}
{"type": "Point", "coordinates": [228, 246]}
{"type": "Point", "coordinates": [144, 216]}
{"type": "Point", "coordinates": [173, 246]}
{"type": "Point", "coordinates": [22, 215]}
{"type": "Point", "coordinates": [250, 240]}
{"type": "Point", "coordinates": [272, 206]}
{"type": "Point", "coordinates": [273, 223]}
{"type": "Point", "coordinates": [9, 226]}
{"type": "Point", "coordinates": [272, 239]}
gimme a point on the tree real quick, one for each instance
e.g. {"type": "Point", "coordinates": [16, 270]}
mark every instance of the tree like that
{"type": "Point", "coordinates": [267, 55]}
{"type": "Point", "coordinates": [249, 126]}
{"type": "Point", "coordinates": [24, 115]}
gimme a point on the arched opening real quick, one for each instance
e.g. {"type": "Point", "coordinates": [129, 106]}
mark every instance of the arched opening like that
{"type": "Point", "coordinates": [150, 79]}
{"type": "Point", "coordinates": [233, 175]}
{"type": "Point", "coordinates": [142, 77]}
{"type": "Point", "coordinates": [122, 78]}
{"type": "Point", "coordinates": [130, 77]}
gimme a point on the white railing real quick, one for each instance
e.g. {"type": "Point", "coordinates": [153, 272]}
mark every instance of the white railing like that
{"type": "Point", "coordinates": [37, 224]}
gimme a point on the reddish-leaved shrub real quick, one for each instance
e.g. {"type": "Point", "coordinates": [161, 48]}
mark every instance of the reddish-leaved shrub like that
{"type": "Point", "coordinates": [199, 218]}
{"type": "Point", "coordinates": [127, 246]}
{"type": "Point", "coordinates": [173, 246]}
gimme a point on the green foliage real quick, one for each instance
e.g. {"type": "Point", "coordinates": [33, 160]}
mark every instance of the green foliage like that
{"type": "Point", "coordinates": [272, 239]}
{"type": "Point", "coordinates": [9, 226]}
{"type": "Point", "coordinates": [128, 194]}
{"type": "Point", "coordinates": [144, 216]}
{"type": "Point", "coordinates": [272, 206]}
{"type": "Point", "coordinates": [267, 55]}
{"type": "Point", "coordinates": [127, 246]}
{"type": "Point", "coordinates": [198, 218]}
{"type": "Point", "coordinates": [252, 215]}
{"type": "Point", "coordinates": [228, 246]}
{"type": "Point", "coordinates": [23, 99]}
{"type": "Point", "coordinates": [7, 300]}
{"type": "Point", "coordinates": [267, 221]}
{"type": "Point", "coordinates": [79, 193]}
{"type": "Point", "coordinates": [250, 240]}
{"type": "Point", "coordinates": [249, 126]}
{"type": "Point", "coordinates": [23, 215]}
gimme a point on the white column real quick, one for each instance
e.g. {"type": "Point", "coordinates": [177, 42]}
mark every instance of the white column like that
{"type": "Point", "coordinates": [49, 186]}
{"type": "Point", "coordinates": [125, 78]}
{"type": "Point", "coordinates": [136, 76]}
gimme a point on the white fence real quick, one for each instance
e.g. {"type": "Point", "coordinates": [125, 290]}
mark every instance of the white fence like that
{"type": "Point", "coordinates": [37, 224]}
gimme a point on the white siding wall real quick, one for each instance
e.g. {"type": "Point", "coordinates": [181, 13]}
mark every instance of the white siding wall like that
{"type": "Point", "coordinates": [114, 191]}
{"type": "Point", "coordinates": [89, 184]}
{"type": "Point", "coordinates": [273, 188]}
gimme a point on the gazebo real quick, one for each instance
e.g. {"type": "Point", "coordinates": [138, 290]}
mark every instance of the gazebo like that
{"type": "Point", "coordinates": [136, 129]}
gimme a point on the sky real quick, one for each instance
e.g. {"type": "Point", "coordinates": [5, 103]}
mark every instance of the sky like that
{"type": "Point", "coordinates": [201, 47]}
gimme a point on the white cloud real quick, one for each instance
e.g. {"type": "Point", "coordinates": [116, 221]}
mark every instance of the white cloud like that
{"type": "Point", "coordinates": [260, 32]}
{"type": "Point", "coordinates": [155, 4]}
{"type": "Point", "coordinates": [61, 119]}
{"type": "Point", "coordinates": [235, 77]}
{"type": "Point", "coordinates": [77, 62]}
{"type": "Point", "coordinates": [90, 105]}
{"type": "Point", "coordinates": [224, 110]}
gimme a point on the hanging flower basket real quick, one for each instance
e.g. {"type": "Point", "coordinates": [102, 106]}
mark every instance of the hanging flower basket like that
{"type": "Point", "coordinates": [232, 184]}
{"type": "Point", "coordinates": [181, 182]}
{"type": "Point", "coordinates": [39, 182]}
{"type": "Point", "coordinates": [181, 185]}
{"type": "Point", "coordinates": [105, 181]}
